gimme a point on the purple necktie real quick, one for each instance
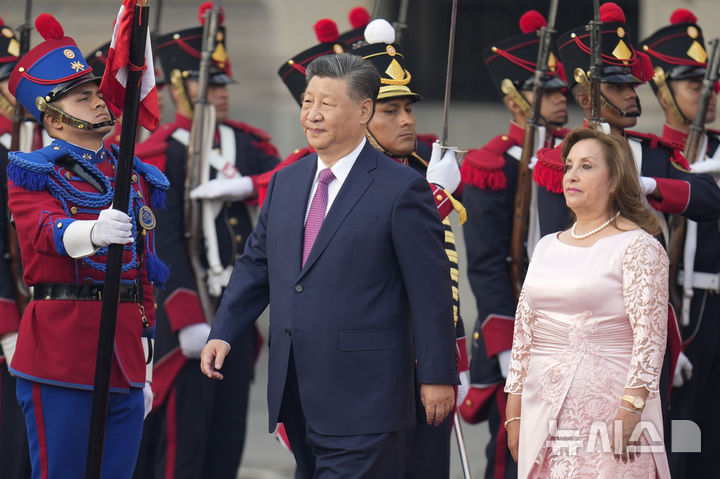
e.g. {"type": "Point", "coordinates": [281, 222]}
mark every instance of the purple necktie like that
{"type": "Point", "coordinates": [316, 215]}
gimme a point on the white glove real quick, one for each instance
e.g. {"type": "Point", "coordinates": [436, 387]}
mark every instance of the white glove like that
{"type": "Point", "coordinates": [148, 397]}
{"type": "Point", "coordinates": [193, 338]}
{"type": "Point", "coordinates": [683, 371]}
{"type": "Point", "coordinates": [504, 360]}
{"type": "Point", "coordinates": [8, 343]}
{"type": "Point", "coordinates": [647, 184]}
{"type": "Point", "coordinates": [218, 280]}
{"type": "Point", "coordinates": [444, 171]}
{"type": "Point", "coordinates": [233, 189]}
{"type": "Point", "coordinates": [463, 387]}
{"type": "Point", "coordinates": [84, 237]}
{"type": "Point", "coordinates": [711, 167]}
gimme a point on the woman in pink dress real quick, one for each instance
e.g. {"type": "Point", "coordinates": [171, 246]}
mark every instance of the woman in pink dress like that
{"type": "Point", "coordinates": [590, 329]}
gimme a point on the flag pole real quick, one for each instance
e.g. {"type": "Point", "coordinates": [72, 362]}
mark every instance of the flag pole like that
{"type": "Point", "coordinates": [121, 200]}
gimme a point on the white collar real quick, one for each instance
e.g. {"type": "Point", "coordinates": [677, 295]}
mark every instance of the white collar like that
{"type": "Point", "coordinates": [341, 168]}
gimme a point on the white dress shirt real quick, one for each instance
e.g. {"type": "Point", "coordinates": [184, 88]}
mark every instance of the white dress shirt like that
{"type": "Point", "coordinates": [341, 169]}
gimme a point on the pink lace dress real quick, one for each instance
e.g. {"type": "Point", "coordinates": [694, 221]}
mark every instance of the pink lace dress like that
{"type": "Point", "coordinates": [590, 322]}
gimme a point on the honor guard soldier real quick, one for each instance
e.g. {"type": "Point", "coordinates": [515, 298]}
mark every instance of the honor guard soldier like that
{"type": "Point", "coordinates": [680, 61]}
{"type": "Point", "coordinates": [60, 197]}
{"type": "Point", "coordinates": [490, 181]}
{"type": "Point", "coordinates": [392, 131]}
{"type": "Point", "coordinates": [189, 406]}
{"type": "Point", "coordinates": [14, 459]}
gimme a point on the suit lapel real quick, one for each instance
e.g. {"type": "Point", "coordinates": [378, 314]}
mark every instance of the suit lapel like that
{"type": "Point", "coordinates": [357, 181]}
{"type": "Point", "coordinates": [298, 201]}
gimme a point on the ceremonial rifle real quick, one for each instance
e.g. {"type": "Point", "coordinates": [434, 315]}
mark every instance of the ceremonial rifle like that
{"type": "Point", "coordinates": [523, 191]}
{"type": "Point", "coordinates": [199, 220]}
{"type": "Point", "coordinates": [401, 23]}
{"type": "Point", "coordinates": [22, 292]}
{"type": "Point", "coordinates": [595, 67]}
{"type": "Point", "coordinates": [121, 202]}
{"type": "Point", "coordinates": [693, 143]}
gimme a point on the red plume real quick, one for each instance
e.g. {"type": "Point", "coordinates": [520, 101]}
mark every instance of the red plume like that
{"type": "Point", "coordinates": [611, 12]}
{"type": "Point", "coordinates": [326, 31]}
{"type": "Point", "coordinates": [532, 21]}
{"type": "Point", "coordinates": [207, 6]}
{"type": "Point", "coordinates": [2, 23]}
{"type": "Point", "coordinates": [48, 27]}
{"type": "Point", "coordinates": [642, 67]}
{"type": "Point", "coordinates": [682, 15]}
{"type": "Point", "coordinates": [359, 17]}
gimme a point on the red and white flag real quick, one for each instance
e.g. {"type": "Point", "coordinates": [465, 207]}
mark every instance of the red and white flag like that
{"type": "Point", "coordinates": [116, 72]}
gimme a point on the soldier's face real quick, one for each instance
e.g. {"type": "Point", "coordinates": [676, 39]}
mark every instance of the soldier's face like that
{"type": "Point", "coordinates": [554, 106]}
{"type": "Point", "coordinates": [624, 97]}
{"type": "Point", "coordinates": [86, 103]}
{"type": "Point", "coordinates": [393, 126]}
{"type": "Point", "coordinates": [217, 96]}
{"type": "Point", "coordinates": [687, 96]}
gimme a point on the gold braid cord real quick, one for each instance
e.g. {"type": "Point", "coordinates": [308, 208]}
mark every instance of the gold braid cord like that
{"type": "Point", "coordinates": [454, 273]}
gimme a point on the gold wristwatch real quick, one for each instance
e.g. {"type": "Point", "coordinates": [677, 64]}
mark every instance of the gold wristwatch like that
{"type": "Point", "coordinates": [636, 401]}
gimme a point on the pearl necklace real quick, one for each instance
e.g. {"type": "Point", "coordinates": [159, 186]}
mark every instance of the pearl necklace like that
{"type": "Point", "coordinates": [596, 230]}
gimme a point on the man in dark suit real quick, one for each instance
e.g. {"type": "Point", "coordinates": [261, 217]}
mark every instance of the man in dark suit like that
{"type": "Point", "coordinates": [358, 291]}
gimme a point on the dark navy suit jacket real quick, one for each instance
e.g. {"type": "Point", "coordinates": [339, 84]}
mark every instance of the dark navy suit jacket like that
{"type": "Point", "coordinates": [374, 295]}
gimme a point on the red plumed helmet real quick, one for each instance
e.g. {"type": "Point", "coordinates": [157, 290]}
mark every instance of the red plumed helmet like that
{"type": "Point", "coordinates": [359, 17]}
{"type": "Point", "coordinates": [48, 27]}
{"type": "Point", "coordinates": [326, 31]}
{"type": "Point", "coordinates": [682, 15]}
{"type": "Point", "coordinates": [611, 12]}
{"type": "Point", "coordinates": [207, 6]}
{"type": "Point", "coordinates": [531, 21]}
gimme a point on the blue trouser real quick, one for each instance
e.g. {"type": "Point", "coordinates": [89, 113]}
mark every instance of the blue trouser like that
{"type": "Point", "coordinates": [58, 424]}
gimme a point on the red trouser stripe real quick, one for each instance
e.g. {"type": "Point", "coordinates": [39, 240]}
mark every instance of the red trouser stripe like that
{"type": "Point", "coordinates": [171, 429]}
{"type": "Point", "coordinates": [40, 424]}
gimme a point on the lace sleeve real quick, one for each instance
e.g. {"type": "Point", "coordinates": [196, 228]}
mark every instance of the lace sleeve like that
{"type": "Point", "coordinates": [645, 291]}
{"type": "Point", "coordinates": [522, 341]}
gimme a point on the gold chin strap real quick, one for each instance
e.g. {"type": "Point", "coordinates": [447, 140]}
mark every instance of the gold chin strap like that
{"type": "Point", "coordinates": [583, 80]}
{"type": "Point", "coordinates": [509, 90]}
{"type": "Point", "coordinates": [373, 141]}
{"type": "Point", "coordinates": [177, 79]}
{"type": "Point", "coordinates": [6, 106]}
{"type": "Point", "coordinates": [45, 107]}
{"type": "Point", "coordinates": [664, 92]}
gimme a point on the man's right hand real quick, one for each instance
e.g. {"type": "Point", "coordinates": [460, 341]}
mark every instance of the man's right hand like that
{"type": "Point", "coordinates": [212, 357]}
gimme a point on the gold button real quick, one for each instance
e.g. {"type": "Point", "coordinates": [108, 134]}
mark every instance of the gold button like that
{"type": "Point", "coordinates": [238, 238]}
{"type": "Point", "coordinates": [59, 225]}
{"type": "Point", "coordinates": [296, 151]}
{"type": "Point", "coordinates": [68, 175]}
{"type": "Point", "coordinates": [233, 221]}
{"type": "Point", "coordinates": [134, 178]}
{"type": "Point", "coordinates": [439, 197]}
{"type": "Point", "coordinates": [468, 402]}
{"type": "Point", "coordinates": [73, 210]}
{"type": "Point", "coordinates": [139, 193]}
{"type": "Point", "coordinates": [476, 335]}
{"type": "Point", "coordinates": [56, 148]}
{"type": "Point", "coordinates": [504, 138]}
{"type": "Point", "coordinates": [144, 232]}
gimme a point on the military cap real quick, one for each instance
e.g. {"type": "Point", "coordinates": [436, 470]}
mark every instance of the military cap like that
{"type": "Point", "coordinates": [49, 70]}
{"type": "Point", "coordinates": [292, 72]}
{"type": "Point", "coordinates": [380, 50]}
{"type": "Point", "coordinates": [678, 49]}
{"type": "Point", "coordinates": [180, 50]}
{"type": "Point", "coordinates": [621, 63]}
{"type": "Point", "coordinates": [515, 59]}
